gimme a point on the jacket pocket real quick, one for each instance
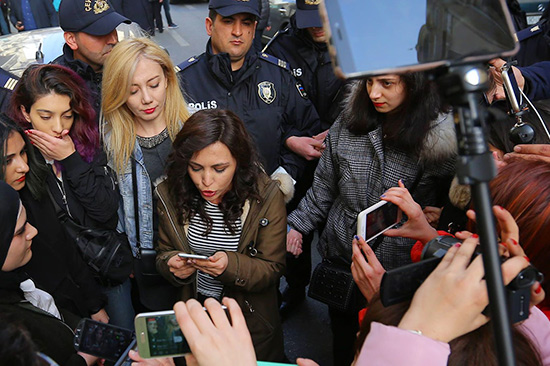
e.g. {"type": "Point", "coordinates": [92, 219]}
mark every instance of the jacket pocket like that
{"type": "Point", "coordinates": [260, 328]}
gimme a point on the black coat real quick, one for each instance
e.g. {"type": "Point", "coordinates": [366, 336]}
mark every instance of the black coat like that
{"type": "Point", "coordinates": [42, 10]}
{"type": "Point", "coordinates": [140, 12]}
{"type": "Point", "coordinates": [8, 81]}
{"type": "Point", "coordinates": [56, 265]}
{"type": "Point", "coordinates": [85, 71]}
{"type": "Point", "coordinates": [51, 336]}
{"type": "Point", "coordinates": [311, 64]}
{"type": "Point", "coordinates": [91, 190]}
{"type": "Point", "coordinates": [263, 93]}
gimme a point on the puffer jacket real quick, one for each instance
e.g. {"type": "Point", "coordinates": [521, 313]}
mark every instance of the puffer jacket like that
{"type": "Point", "coordinates": [253, 271]}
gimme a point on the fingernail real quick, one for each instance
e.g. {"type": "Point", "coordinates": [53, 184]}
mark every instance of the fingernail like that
{"type": "Point", "coordinates": [356, 237]}
{"type": "Point", "coordinates": [539, 289]}
{"type": "Point", "coordinates": [30, 131]}
{"type": "Point", "coordinates": [502, 208]}
{"type": "Point", "coordinates": [383, 195]}
{"type": "Point", "coordinates": [457, 245]}
{"type": "Point", "coordinates": [526, 258]}
{"type": "Point", "coordinates": [513, 241]}
{"type": "Point", "coordinates": [26, 132]}
{"type": "Point", "coordinates": [475, 236]}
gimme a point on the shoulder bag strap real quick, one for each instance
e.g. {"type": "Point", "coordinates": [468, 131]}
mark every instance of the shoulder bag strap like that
{"type": "Point", "coordinates": [136, 204]}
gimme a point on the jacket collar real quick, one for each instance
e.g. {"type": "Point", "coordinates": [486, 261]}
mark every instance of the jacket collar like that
{"type": "Point", "coordinates": [80, 67]}
{"type": "Point", "coordinates": [220, 65]}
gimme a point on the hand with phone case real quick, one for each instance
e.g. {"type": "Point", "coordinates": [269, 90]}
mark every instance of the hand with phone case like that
{"type": "Point", "coordinates": [213, 339]}
{"type": "Point", "coordinates": [417, 226]}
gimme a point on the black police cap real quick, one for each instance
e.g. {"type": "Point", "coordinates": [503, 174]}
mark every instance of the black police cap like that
{"type": "Point", "coordinates": [95, 17]}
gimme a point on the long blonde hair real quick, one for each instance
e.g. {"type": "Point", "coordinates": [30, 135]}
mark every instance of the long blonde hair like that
{"type": "Point", "coordinates": [118, 120]}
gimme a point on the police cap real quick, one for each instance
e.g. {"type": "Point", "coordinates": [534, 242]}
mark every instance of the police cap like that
{"type": "Point", "coordinates": [307, 14]}
{"type": "Point", "coordinates": [95, 17]}
{"type": "Point", "coordinates": [227, 8]}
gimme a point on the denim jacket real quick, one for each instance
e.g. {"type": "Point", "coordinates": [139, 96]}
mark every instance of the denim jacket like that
{"type": "Point", "coordinates": [126, 218]}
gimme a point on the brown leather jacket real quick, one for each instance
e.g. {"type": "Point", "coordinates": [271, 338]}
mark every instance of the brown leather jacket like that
{"type": "Point", "coordinates": [253, 271]}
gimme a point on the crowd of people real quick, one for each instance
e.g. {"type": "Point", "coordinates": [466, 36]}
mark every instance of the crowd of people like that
{"type": "Point", "coordinates": [237, 156]}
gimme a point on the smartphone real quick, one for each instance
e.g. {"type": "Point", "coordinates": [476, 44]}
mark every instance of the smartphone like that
{"type": "Point", "coordinates": [192, 256]}
{"type": "Point", "coordinates": [376, 219]}
{"type": "Point", "coordinates": [159, 335]}
{"type": "Point", "coordinates": [102, 340]}
{"type": "Point", "coordinates": [423, 34]}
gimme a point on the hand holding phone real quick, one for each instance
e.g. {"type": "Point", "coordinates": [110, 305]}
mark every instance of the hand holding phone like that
{"type": "Point", "coordinates": [192, 256]}
{"type": "Point", "coordinates": [180, 267]}
{"type": "Point", "coordinates": [376, 219]}
{"type": "Point", "coordinates": [200, 328]}
{"type": "Point", "coordinates": [102, 340]}
{"type": "Point", "coordinates": [215, 265]}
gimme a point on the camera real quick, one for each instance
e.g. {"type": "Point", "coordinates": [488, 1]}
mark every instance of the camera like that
{"type": "Point", "coordinates": [401, 283]}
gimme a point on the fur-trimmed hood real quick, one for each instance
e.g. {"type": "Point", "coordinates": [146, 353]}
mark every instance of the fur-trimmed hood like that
{"type": "Point", "coordinates": [440, 142]}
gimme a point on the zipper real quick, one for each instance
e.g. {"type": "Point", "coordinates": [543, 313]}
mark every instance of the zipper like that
{"type": "Point", "coordinates": [113, 184]}
{"type": "Point", "coordinates": [63, 194]}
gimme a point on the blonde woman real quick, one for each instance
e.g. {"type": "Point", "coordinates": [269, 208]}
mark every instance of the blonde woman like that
{"type": "Point", "coordinates": [143, 110]}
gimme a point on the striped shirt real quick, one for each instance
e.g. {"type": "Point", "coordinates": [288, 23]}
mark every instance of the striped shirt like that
{"type": "Point", "coordinates": [219, 239]}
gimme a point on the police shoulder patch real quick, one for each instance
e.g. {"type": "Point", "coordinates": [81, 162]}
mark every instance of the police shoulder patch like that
{"type": "Point", "coordinates": [7, 80]}
{"type": "Point", "coordinates": [528, 32]}
{"type": "Point", "coordinates": [274, 60]}
{"type": "Point", "coordinates": [185, 64]}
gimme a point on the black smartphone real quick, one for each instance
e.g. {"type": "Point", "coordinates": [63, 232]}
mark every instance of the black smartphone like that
{"type": "Point", "coordinates": [102, 340]}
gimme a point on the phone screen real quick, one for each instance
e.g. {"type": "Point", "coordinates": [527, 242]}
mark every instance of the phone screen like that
{"type": "Point", "coordinates": [165, 336]}
{"type": "Point", "coordinates": [102, 340]}
{"type": "Point", "coordinates": [381, 219]}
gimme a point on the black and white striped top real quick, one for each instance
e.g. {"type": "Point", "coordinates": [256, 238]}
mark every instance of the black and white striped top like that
{"type": "Point", "coordinates": [218, 239]}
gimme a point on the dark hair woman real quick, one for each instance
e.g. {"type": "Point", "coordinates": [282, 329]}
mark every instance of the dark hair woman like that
{"type": "Point", "coordinates": [217, 202]}
{"type": "Point", "coordinates": [32, 307]}
{"type": "Point", "coordinates": [51, 103]}
{"type": "Point", "coordinates": [392, 127]}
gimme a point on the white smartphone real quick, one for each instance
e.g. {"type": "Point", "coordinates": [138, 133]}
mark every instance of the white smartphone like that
{"type": "Point", "coordinates": [159, 335]}
{"type": "Point", "coordinates": [376, 219]}
{"type": "Point", "coordinates": [192, 256]}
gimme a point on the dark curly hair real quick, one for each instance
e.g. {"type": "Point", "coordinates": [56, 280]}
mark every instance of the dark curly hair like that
{"type": "Point", "coordinates": [40, 80]}
{"type": "Point", "coordinates": [406, 128]}
{"type": "Point", "coordinates": [201, 130]}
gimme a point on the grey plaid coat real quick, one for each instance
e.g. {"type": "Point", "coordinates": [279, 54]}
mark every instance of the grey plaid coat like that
{"type": "Point", "coordinates": [355, 170]}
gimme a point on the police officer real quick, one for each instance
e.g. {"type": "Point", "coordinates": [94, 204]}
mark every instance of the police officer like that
{"type": "Point", "coordinates": [259, 88]}
{"type": "Point", "coordinates": [8, 82]}
{"type": "Point", "coordinates": [303, 45]}
{"type": "Point", "coordinates": [90, 34]}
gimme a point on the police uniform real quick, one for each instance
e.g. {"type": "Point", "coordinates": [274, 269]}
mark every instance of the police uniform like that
{"type": "Point", "coordinates": [263, 93]}
{"type": "Point", "coordinates": [85, 71]}
{"type": "Point", "coordinates": [311, 65]}
{"type": "Point", "coordinates": [97, 19]}
{"type": "Point", "coordinates": [8, 82]}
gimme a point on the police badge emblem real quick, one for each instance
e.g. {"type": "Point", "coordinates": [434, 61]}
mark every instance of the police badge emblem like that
{"type": "Point", "coordinates": [266, 91]}
{"type": "Point", "coordinates": [100, 6]}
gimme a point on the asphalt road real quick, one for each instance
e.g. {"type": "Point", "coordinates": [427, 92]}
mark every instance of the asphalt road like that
{"type": "Point", "coordinates": [307, 331]}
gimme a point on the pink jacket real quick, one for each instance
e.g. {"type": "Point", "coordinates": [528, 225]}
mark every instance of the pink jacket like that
{"type": "Point", "coordinates": [387, 345]}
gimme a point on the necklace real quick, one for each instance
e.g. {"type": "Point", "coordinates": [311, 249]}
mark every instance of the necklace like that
{"type": "Point", "coordinates": [150, 142]}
